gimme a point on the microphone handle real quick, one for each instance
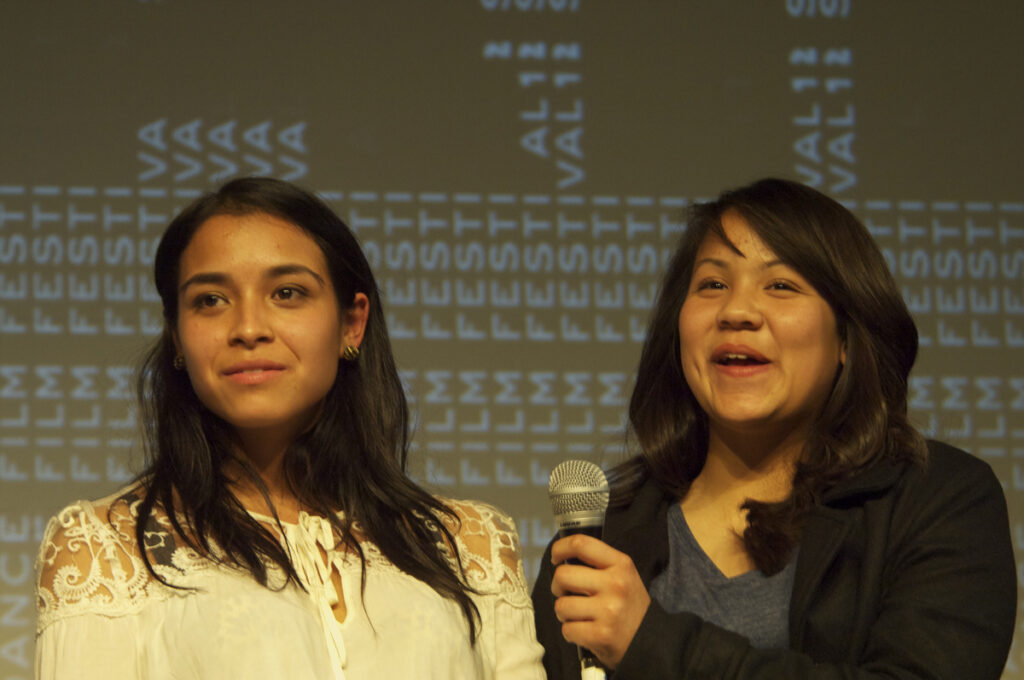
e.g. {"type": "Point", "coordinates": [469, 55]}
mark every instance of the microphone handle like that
{"type": "Point", "coordinates": [590, 667]}
{"type": "Point", "coordinates": [594, 531]}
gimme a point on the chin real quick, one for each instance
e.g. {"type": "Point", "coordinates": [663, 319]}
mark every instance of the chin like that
{"type": "Point", "coordinates": [746, 420]}
{"type": "Point", "coordinates": [737, 414]}
{"type": "Point", "coordinates": [258, 421]}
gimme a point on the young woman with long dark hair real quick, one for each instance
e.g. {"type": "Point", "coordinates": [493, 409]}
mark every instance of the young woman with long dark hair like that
{"type": "Point", "coordinates": [274, 532]}
{"type": "Point", "coordinates": [782, 518]}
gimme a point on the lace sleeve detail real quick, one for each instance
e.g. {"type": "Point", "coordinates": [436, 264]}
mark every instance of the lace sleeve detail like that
{"type": "Point", "coordinates": [89, 562]}
{"type": "Point", "coordinates": [488, 546]}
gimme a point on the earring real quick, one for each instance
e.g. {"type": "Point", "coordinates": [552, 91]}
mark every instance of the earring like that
{"type": "Point", "coordinates": [179, 362]}
{"type": "Point", "coordinates": [351, 353]}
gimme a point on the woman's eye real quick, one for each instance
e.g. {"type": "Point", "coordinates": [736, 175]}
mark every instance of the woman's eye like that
{"type": "Point", "coordinates": [710, 284]}
{"type": "Point", "coordinates": [288, 293]}
{"type": "Point", "coordinates": [207, 300]}
{"type": "Point", "coordinates": [781, 285]}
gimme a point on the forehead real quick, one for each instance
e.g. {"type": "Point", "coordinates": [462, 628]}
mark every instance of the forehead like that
{"type": "Point", "coordinates": [250, 242]}
{"type": "Point", "coordinates": [741, 241]}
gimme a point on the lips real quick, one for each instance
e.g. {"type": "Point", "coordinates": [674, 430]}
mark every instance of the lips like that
{"type": "Point", "coordinates": [253, 372]}
{"type": "Point", "coordinates": [253, 366]}
{"type": "Point", "coordinates": [738, 355]}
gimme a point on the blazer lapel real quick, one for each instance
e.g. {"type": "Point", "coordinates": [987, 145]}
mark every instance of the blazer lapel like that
{"type": "Point", "coordinates": [826, 527]}
{"type": "Point", "coordinates": [824, 532]}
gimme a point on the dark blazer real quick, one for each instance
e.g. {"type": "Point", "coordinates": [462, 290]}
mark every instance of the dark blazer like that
{"type": "Point", "coordinates": [902, 572]}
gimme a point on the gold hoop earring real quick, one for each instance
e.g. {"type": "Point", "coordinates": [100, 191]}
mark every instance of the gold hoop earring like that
{"type": "Point", "coordinates": [351, 353]}
{"type": "Point", "coordinates": [179, 362]}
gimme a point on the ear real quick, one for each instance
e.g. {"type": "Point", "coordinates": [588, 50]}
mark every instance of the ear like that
{"type": "Point", "coordinates": [174, 338]}
{"type": "Point", "coordinates": [842, 354]}
{"type": "Point", "coordinates": [353, 322]}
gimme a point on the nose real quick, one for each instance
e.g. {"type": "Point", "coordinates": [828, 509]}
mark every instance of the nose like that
{"type": "Point", "coordinates": [250, 325]}
{"type": "Point", "coordinates": [740, 311]}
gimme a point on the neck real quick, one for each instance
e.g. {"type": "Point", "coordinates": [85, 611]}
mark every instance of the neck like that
{"type": "Point", "coordinates": [750, 465]}
{"type": "Point", "coordinates": [264, 453]}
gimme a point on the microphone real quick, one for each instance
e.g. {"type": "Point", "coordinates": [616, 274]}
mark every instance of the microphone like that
{"type": "Point", "coordinates": [578, 491]}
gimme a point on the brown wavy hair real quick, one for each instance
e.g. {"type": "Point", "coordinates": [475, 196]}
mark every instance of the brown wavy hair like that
{"type": "Point", "coordinates": [864, 420]}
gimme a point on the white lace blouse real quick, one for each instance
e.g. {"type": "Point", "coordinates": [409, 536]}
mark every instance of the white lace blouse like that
{"type": "Point", "coordinates": [101, 615]}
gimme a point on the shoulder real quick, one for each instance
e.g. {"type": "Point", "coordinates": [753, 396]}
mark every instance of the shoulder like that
{"type": "Point", "coordinates": [483, 531]}
{"type": "Point", "coordinates": [89, 560]}
{"type": "Point", "coordinates": [953, 498]}
{"type": "Point", "coordinates": [946, 458]}
{"type": "Point", "coordinates": [488, 547]}
{"type": "Point", "coordinates": [950, 471]}
{"type": "Point", "coordinates": [945, 471]}
{"type": "Point", "coordinates": [477, 518]}
{"type": "Point", "coordinates": [75, 533]}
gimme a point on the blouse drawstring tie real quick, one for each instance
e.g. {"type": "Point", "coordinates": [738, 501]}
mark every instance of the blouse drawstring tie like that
{"type": "Point", "coordinates": [303, 538]}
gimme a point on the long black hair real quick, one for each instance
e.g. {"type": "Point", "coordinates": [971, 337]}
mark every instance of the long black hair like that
{"type": "Point", "coordinates": [348, 467]}
{"type": "Point", "coordinates": [864, 419]}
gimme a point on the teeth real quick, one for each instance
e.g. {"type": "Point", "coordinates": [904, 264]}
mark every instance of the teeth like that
{"type": "Point", "coordinates": [736, 356]}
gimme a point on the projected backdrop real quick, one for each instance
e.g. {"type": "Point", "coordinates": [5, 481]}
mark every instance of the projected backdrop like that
{"type": "Point", "coordinates": [517, 171]}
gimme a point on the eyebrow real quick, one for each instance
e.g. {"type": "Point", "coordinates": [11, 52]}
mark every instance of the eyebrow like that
{"type": "Point", "coordinates": [220, 278]}
{"type": "Point", "coordinates": [724, 265]}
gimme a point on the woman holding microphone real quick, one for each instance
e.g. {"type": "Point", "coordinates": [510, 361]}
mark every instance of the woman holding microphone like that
{"type": "Point", "coordinates": [782, 518]}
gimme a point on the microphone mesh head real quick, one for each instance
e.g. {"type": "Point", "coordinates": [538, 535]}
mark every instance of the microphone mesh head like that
{"type": "Point", "coordinates": [577, 486]}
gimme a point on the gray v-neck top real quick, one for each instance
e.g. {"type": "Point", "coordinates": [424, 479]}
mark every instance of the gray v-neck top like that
{"type": "Point", "coordinates": [751, 604]}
